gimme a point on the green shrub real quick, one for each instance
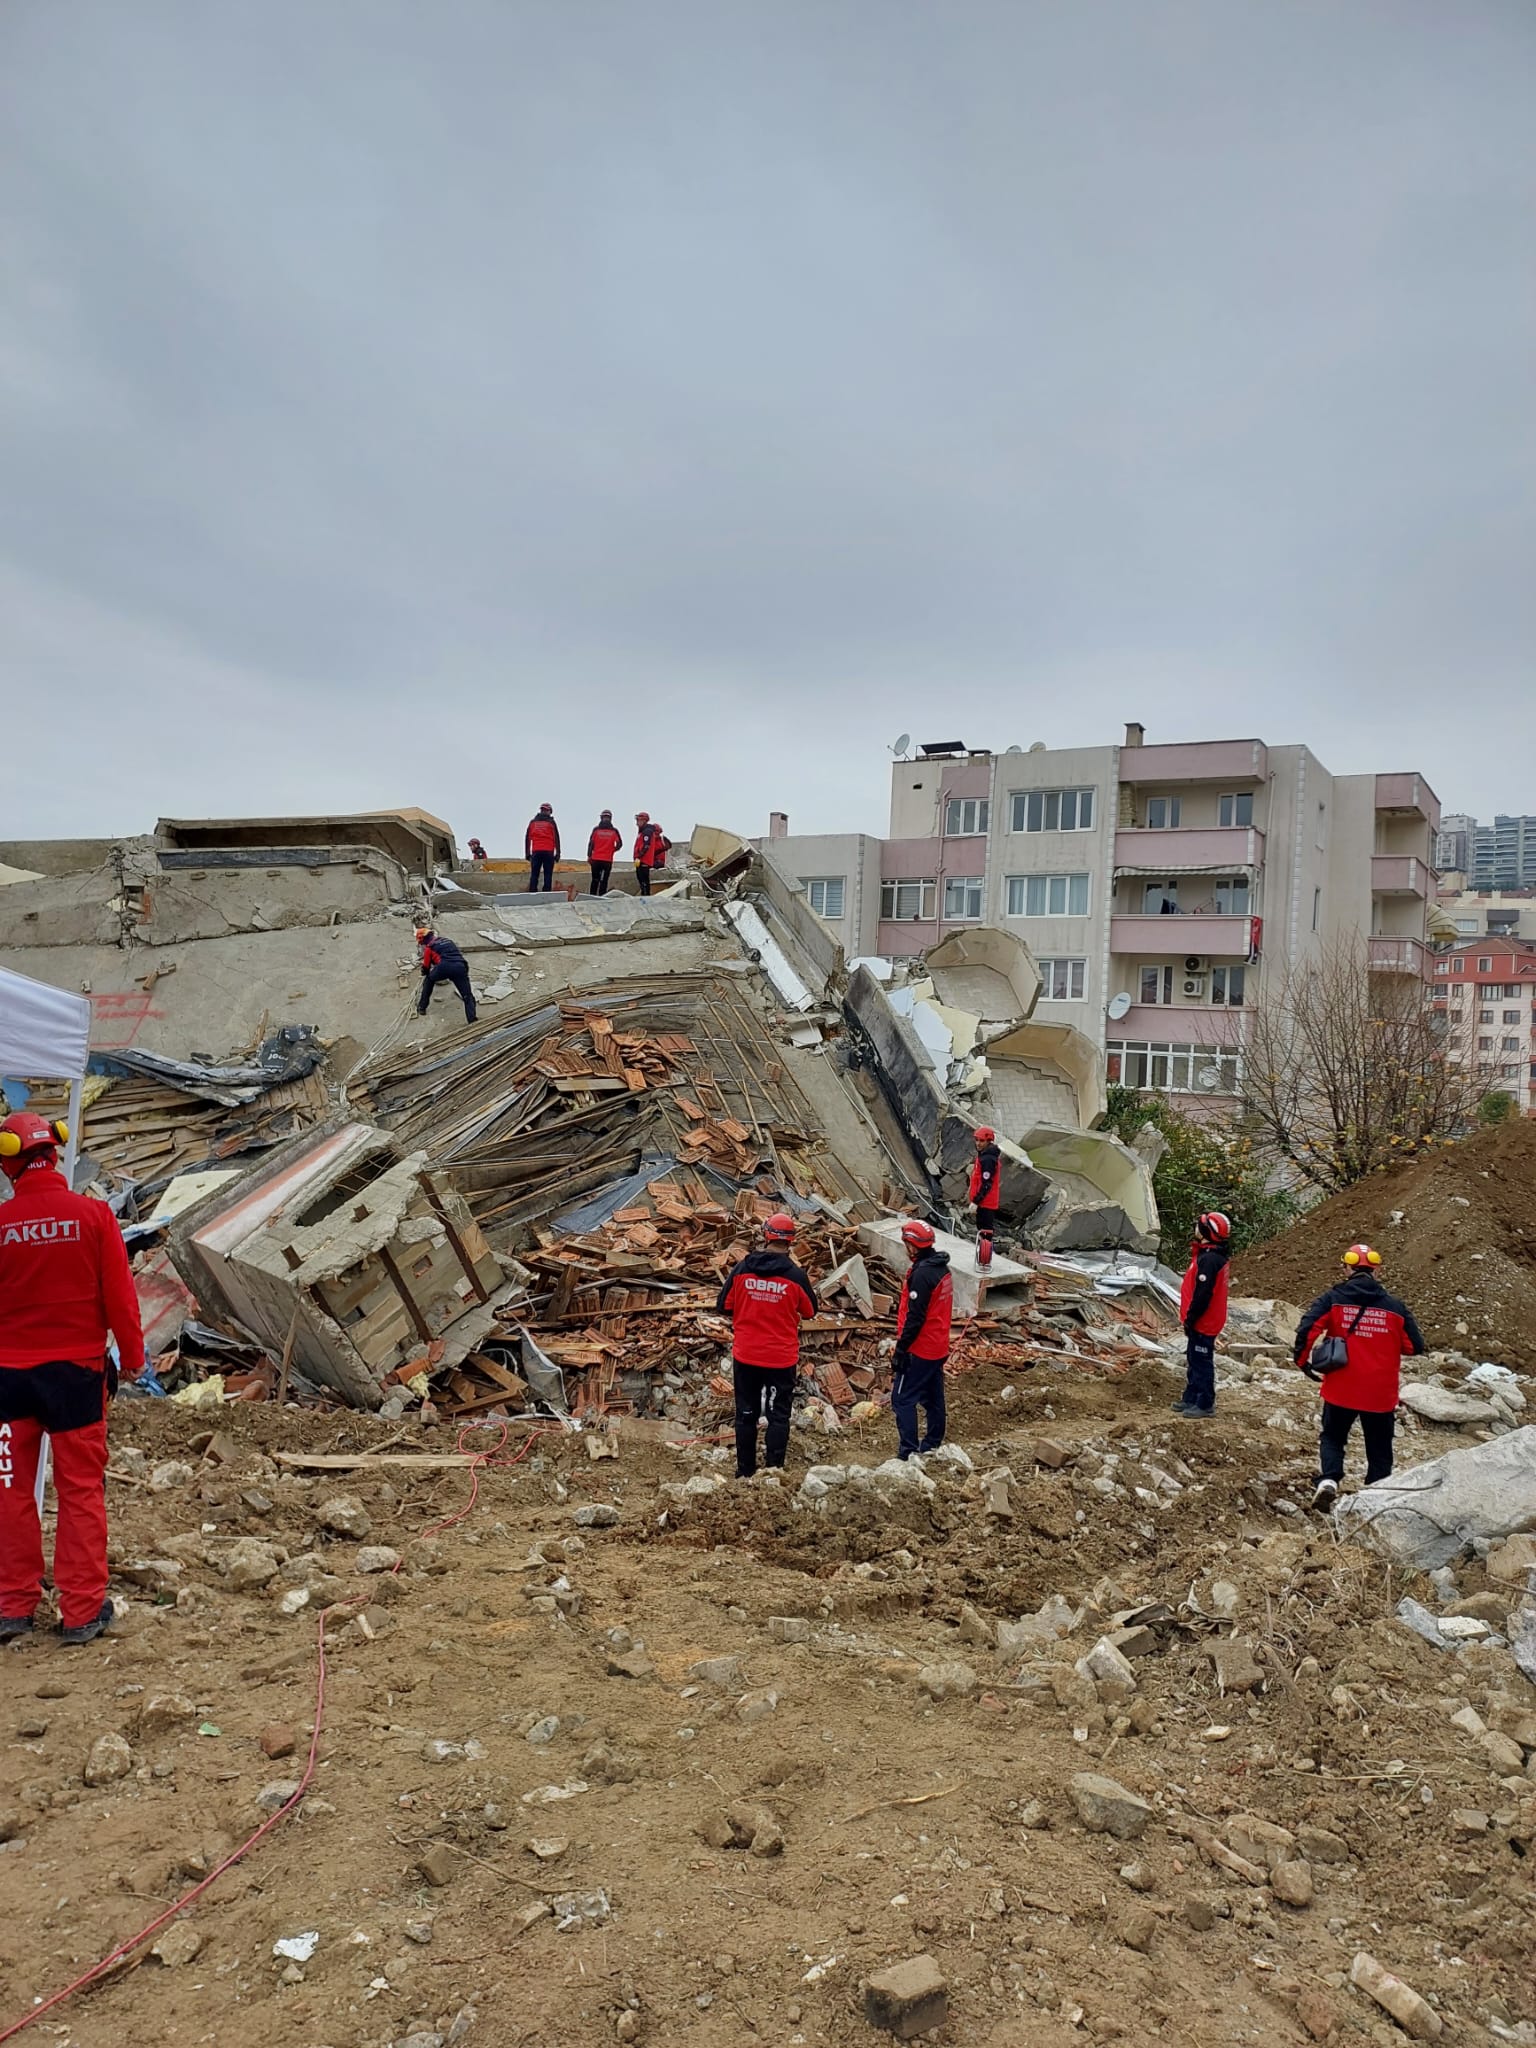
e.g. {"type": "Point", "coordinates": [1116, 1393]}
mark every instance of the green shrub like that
{"type": "Point", "coordinates": [1208, 1165]}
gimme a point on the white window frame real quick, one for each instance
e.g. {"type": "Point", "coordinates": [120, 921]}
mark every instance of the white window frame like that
{"type": "Point", "coordinates": [1222, 979]}
{"type": "Point", "coordinates": [891, 888]}
{"type": "Point", "coordinates": [1171, 1067]}
{"type": "Point", "coordinates": [1170, 889]}
{"type": "Point", "coordinates": [825, 883]}
{"type": "Point", "coordinates": [1162, 985]}
{"type": "Point", "coordinates": [977, 809]}
{"type": "Point", "coordinates": [975, 888]}
{"type": "Point", "coordinates": [1485, 966]}
{"type": "Point", "coordinates": [1031, 810]}
{"type": "Point", "coordinates": [1018, 889]}
{"type": "Point", "coordinates": [1063, 979]}
{"type": "Point", "coordinates": [1229, 802]}
{"type": "Point", "coordinates": [1172, 810]}
{"type": "Point", "coordinates": [1224, 888]}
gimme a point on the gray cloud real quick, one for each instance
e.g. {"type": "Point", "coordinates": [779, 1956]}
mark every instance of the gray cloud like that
{"type": "Point", "coordinates": [666, 405]}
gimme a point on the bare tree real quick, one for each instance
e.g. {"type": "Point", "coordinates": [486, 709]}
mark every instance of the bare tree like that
{"type": "Point", "coordinates": [1347, 1072]}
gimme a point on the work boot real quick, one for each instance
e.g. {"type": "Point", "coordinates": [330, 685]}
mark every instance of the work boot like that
{"type": "Point", "coordinates": [1190, 1409]}
{"type": "Point", "coordinates": [13, 1625]}
{"type": "Point", "coordinates": [1327, 1493]}
{"type": "Point", "coordinates": [88, 1631]}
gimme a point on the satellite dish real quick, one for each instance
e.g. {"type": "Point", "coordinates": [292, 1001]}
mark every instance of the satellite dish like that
{"type": "Point", "coordinates": [1209, 1077]}
{"type": "Point", "coordinates": [1119, 1005]}
{"type": "Point", "coordinates": [1038, 747]}
{"type": "Point", "coordinates": [901, 746]}
{"type": "Point", "coordinates": [1013, 750]}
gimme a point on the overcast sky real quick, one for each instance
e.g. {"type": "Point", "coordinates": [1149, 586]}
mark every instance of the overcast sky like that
{"type": "Point", "coordinates": [666, 403]}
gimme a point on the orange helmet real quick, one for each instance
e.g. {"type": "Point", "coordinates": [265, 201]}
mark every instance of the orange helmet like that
{"type": "Point", "coordinates": [423, 931]}
{"type": "Point", "coordinates": [1361, 1255]}
{"type": "Point", "coordinates": [916, 1233]}
{"type": "Point", "coordinates": [779, 1228]}
{"type": "Point", "coordinates": [985, 1135]}
{"type": "Point", "coordinates": [1213, 1227]}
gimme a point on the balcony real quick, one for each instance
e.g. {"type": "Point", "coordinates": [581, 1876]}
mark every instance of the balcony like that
{"type": "Point", "coordinates": [1232, 761]}
{"type": "Point", "coordinates": [1164, 938]}
{"type": "Point", "coordinates": [1410, 793]}
{"type": "Point", "coordinates": [1395, 874]}
{"type": "Point", "coordinates": [1206, 1024]}
{"type": "Point", "coordinates": [1196, 849]}
{"type": "Point", "coordinates": [1392, 955]}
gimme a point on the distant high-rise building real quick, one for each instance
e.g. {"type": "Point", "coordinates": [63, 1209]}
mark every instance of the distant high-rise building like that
{"type": "Point", "coordinates": [1453, 843]}
{"type": "Point", "coordinates": [1503, 854]}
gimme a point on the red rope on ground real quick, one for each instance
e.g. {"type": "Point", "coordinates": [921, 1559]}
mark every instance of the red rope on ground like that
{"type": "Point", "coordinates": [126, 1948]}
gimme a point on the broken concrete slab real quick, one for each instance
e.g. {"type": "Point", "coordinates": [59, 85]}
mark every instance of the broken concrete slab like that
{"type": "Point", "coordinates": [1444, 1404]}
{"type": "Point", "coordinates": [1430, 1514]}
{"type": "Point", "coordinates": [882, 1239]}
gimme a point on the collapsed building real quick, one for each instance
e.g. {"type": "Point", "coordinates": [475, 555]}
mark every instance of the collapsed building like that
{"type": "Point", "coordinates": [363, 1197]}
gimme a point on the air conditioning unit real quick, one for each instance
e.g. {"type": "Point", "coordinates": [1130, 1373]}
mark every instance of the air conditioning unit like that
{"type": "Point", "coordinates": [1192, 985]}
{"type": "Point", "coordinates": [1194, 964]}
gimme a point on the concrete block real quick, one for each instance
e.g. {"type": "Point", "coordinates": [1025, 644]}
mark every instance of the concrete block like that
{"type": "Point", "coordinates": [907, 1999]}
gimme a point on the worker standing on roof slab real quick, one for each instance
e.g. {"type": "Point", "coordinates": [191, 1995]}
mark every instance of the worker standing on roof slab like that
{"type": "Point", "coordinates": [64, 1286]}
{"type": "Point", "coordinates": [1203, 1312]}
{"type": "Point", "coordinates": [651, 849]}
{"type": "Point", "coordinates": [441, 961]}
{"type": "Point", "coordinates": [986, 1190]}
{"type": "Point", "coordinates": [767, 1297]}
{"type": "Point", "coordinates": [603, 842]}
{"type": "Point", "coordinates": [477, 853]}
{"type": "Point", "coordinates": [541, 848]}
{"type": "Point", "coordinates": [922, 1341]}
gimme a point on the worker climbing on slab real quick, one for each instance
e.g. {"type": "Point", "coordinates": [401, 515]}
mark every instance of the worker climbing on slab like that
{"type": "Point", "coordinates": [477, 853]}
{"type": "Point", "coordinates": [64, 1286]}
{"type": "Point", "coordinates": [922, 1341]}
{"type": "Point", "coordinates": [986, 1190]}
{"type": "Point", "coordinates": [1203, 1311]}
{"type": "Point", "coordinates": [441, 961]}
{"type": "Point", "coordinates": [603, 842]}
{"type": "Point", "coordinates": [1361, 1334]}
{"type": "Point", "coordinates": [651, 849]}
{"type": "Point", "coordinates": [767, 1297]}
{"type": "Point", "coordinates": [541, 848]}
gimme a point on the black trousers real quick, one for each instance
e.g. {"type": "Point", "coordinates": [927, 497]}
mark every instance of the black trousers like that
{"type": "Point", "coordinates": [642, 879]}
{"type": "Point", "coordinates": [459, 976]}
{"type": "Point", "coordinates": [758, 1386]}
{"type": "Point", "coordinates": [1377, 1431]}
{"type": "Point", "coordinates": [1200, 1371]}
{"type": "Point", "coordinates": [601, 870]}
{"type": "Point", "coordinates": [541, 864]}
{"type": "Point", "coordinates": [918, 1383]}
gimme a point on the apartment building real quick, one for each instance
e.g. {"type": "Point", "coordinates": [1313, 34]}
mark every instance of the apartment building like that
{"type": "Point", "coordinates": [1156, 885]}
{"type": "Point", "coordinates": [1504, 854]}
{"type": "Point", "coordinates": [1487, 994]}
{"type": "Point", "coordinates": [1490, 913]}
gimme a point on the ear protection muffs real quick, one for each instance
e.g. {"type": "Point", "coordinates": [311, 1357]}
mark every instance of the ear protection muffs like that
{"type": "Point", "coordinates": [11, 1142]}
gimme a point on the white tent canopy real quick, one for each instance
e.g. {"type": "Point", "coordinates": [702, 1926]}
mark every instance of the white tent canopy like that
{"type": "Point", "coordinates": [44, 1032]}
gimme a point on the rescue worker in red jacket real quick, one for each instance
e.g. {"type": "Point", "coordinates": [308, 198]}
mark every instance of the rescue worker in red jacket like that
{"type": "Point", "coordinates": [541, 848]}
{"type": "Point", "coordinates": [986, 1190]}
{"type": "Point", "coordinates": [603, 842]}
{"type": "Point", "coordinates": [1378, 1332]}
{"type": "Point", "coordinates": [767, 1296]}
{"type": "Point", "coordinates": [922, 1341]}
{"type": "Point", "coordinates": [64, 1284]}
{"type": "Point", "coordinates": [477, 853]}
{"type": "Point", "coordinates": [442, 961]}
{"type": "Point", "coordinates": [1203, 1311]}
{"type": "Point", "coordinates": [651, 849]}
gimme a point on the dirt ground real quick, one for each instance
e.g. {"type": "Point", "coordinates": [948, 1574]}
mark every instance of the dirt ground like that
{"type": "Point", "coordinates": [1461, 1250]}
{"type": "Point", "coordinates": [883, 1822]}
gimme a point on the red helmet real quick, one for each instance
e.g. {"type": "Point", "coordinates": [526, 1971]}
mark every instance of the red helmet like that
{"type": "Point", "coordinates": [985, 1135]}
{"type": "Point", "coordinates": [25, 1133]}
{"type": "Point", "coordinates": [1213, 1227]}
{"type": "Point", "coordinates": [1357, 1255]}
{"type": "Point", "coordinates": [642, 817]}
{"type": "Point", "coordinates": [546, 807]}
{"type": "Point", "coordinates": [779, 1228]}
{"type": "Point", "coordinates": [917, 1233]}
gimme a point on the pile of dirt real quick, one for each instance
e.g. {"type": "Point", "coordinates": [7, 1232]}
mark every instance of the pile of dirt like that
{"type": "Point", "coordinates": [1457, 1233]}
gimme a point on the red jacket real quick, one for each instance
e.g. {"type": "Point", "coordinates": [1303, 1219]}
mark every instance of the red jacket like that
{"type": "Point", "coordinates": [1379, 1331]}
{"type": "Point", "coordinates": [1203, 1297]}
{"type": "Point", "coordinates": [927, 1302]}
{"type": "Point", "coordinates": [767, 1298]}
{"type": "Point", "coordinates": [651, 847]}
{"type": "Point", "coordinates": [986, 1188]}
{"type": "Point", "coordinates": [604, 842]}
{"type": "Point", "coordinates": [64, 1279]}
{"type": "Point", "coordinates": [542, 836]}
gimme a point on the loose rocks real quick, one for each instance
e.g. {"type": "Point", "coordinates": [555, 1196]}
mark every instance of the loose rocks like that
{"type": "Point", "coordinates": [1413, 2014]}
{"type": "Point", "coordinates": [109, 1760]}
{"type": "Point", "coordinates": [344, 1515]}
{"type": "Point", "coordinates": [907, 1999]}
{"type": "Point", "coordinates": [949, 1680]}
{"type": "Point", "coordinates": [1106, 1807]}
{"type": "Point", "coordinates": [599, 1515]}
{"type": "Point", "coordinates": [376, 1557]}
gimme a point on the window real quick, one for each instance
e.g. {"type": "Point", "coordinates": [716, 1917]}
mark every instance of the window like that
{"type": "Point", "coordinates": [1458, 990]}
{"type": "Point", "coordinates": [902, 900]}
{"type": "Point", "coordinates": [1163, 813]}
{"type": "Point", "coordinates": [1467, 926]}
{"type": "Point", "coordinates": [1513, 991]}
{"type": "Point", "coordinates": [1062, 981]}
{"type": "Point", "coordinates": [1458, 966]}
{"type": "Point", "coordinates": [1317, 907]}
{"type": "Point", "coordinates": [1485, 1016]}
{"type": "Point", "coordinates": [962, 896]}
{"type": "Point", "coordinates": [1485, 965]}
{"type": "Point", "coordinates": [1227, 986]}
{"type": "Point", "coordinates": [1181, 1069]}
{"type": "Point", "coordinates": [1232, 896]}
{"type": "Point", "coordinates": [1235, 810]}
{"type": "Point", "coordinates": [1510, 1073]}
{"type": "Point", "coordinates": [1047, 895]}
{"type": "Point", "coordinates": [1485, 1045]}
{"type": "Point", "coordinates": [1442, 967]}
{"type": "Point", "coordinates": [1160, 899]}
{"type": "Point", "coordinates": [964, 816]}
{"type": "Point", "coordinates": [825, 893]}
{"type": "Point", "coordinates": [1509, 1045]}
{"type": "Point", "coordinates": [1510, 1016]}
{"type": "Point", "coordinates": [1156, 985]}
{"type": "Point", "coordinates": [1053, 810]}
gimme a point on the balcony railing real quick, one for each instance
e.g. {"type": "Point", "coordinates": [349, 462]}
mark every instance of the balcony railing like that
{"type": "Point", "coordinates": [1390, 955]}
{"type": "Point", "coordinates": [1408, 793]}
{"type": "Point", "coordinates": [1192, 849]}
{"type": "Point", "coordinates": [1400, 874]}
{"type": "Point", "coordinates": [1149, 938]}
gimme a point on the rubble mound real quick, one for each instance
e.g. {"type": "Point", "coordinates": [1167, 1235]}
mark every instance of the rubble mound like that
{"type": "Point", "coordinates": [1461, 1252]}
